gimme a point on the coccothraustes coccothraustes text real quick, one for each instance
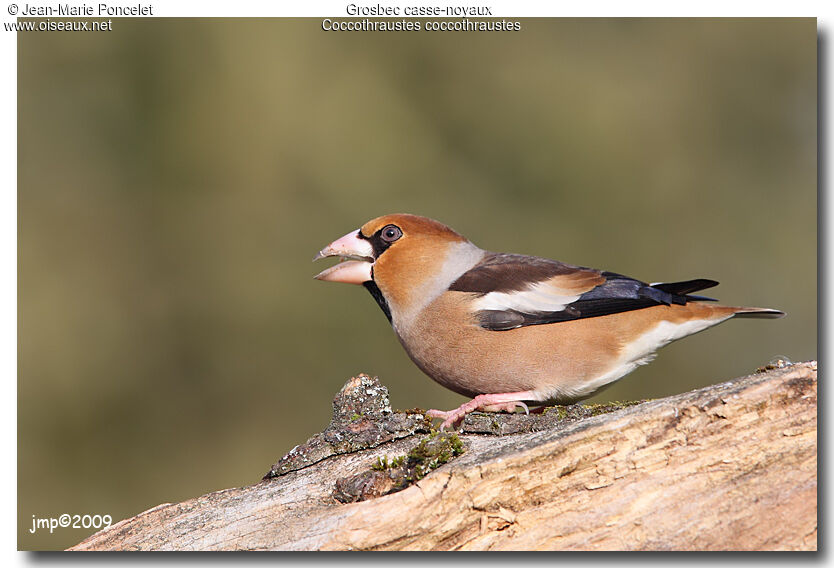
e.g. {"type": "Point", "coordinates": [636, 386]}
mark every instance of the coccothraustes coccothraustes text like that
{"type": "Point", "coordinates": [508, 329]}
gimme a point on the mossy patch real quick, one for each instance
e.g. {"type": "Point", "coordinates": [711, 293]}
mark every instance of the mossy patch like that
{"type": "Point", "coordinates": [597, 409]}
{"type": "Point", "coordinates": [433, 451]}
{"type": "Point", "coordinates": [578, 411]}
{"type": "Point", "coordinates": [362, 419]}
{"type": "Point", "coordinates": [502, 424]}
{"type": "Point", "coordinates": [395, 474]}
{"type": "Point", "coordinates": [776, 363]}
{"type": "Point", "coordinates": [382, 463]}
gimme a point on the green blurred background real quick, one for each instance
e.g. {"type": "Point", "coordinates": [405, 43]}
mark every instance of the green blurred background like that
{"type": "Point", "coordinates": [177, 176]}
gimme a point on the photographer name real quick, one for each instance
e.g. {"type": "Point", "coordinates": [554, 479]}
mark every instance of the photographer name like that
{"type": "Point", "coordinates": [86, 10]}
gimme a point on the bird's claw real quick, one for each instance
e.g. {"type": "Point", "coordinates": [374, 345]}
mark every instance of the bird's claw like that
{"type": "Point", "coordinates": [488, 403]}
{"type": "Point", "coordinates": [449, 417]}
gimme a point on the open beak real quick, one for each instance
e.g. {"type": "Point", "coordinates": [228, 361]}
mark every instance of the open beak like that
{"type": "Point", "coordinates": [356, 264]}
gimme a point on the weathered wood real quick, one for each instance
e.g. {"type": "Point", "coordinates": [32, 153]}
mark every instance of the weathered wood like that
{"type": "Point", "coordinates": [728, 467]}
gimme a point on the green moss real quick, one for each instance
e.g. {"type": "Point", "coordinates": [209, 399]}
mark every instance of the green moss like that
{"type": "Point", "coordinates": [430, 453]}
{"type": "Point", "coordinates": [597, 409]}
{"type": "Point", "coordinates": [778, 363]}
{"type": "Point", "coordinates": [561, 411]}
{"type": "Point", "coordinates": [433, 451]}
{"type": "Point", "coordinates": [381, 464]}
{"type": "Point", "coordinates": [457, 445]}
{"type": "Point", "coordinates": [578, 411]}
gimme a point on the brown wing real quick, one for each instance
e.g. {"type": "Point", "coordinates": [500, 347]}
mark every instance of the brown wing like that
{"type": "Point", "coordinates": [517, 290]}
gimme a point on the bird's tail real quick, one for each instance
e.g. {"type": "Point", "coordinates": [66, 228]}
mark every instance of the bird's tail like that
{"type": "Point", "coordinates": [683, 291]}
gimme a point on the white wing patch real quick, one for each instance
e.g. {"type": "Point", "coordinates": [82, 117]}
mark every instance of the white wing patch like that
{"type": "Point", "coordinates": [537, 298]}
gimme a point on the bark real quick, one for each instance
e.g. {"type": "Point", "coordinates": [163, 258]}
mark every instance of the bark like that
{"type": "Point", "coordinates": [728, 467]}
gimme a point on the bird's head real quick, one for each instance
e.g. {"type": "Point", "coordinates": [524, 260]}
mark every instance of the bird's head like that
{"type": "Point", "coordinates": [396, 256]}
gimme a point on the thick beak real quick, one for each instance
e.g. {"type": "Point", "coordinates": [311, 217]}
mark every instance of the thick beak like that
{"type": "Point", "coordinates": [354, 271]}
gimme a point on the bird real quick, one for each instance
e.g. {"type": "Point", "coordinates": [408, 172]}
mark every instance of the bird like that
{"type": "Point", "coordinates": [511, 330]}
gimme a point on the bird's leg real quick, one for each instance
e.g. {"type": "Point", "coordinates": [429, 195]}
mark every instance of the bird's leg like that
{"type": "Point", "coordinates": [490, 402]}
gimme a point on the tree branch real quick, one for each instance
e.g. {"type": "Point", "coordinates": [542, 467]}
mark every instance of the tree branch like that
{"type": "Point", "coordinates": [727, 467]}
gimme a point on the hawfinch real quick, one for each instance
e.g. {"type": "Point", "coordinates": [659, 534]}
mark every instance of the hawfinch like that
{"type": "Point", "coordinates": [509, 329]}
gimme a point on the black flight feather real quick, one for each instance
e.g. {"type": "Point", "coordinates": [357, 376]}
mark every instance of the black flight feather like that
{"type": "Point", "coordinates": [617, 294]}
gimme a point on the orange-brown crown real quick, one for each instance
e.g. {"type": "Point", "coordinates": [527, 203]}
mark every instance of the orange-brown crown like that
{"type": "Point", "coordinates": [411, 225]}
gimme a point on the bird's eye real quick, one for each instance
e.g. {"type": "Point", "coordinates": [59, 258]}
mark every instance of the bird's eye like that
{"type": "Point", "coordinates": [391, 233]}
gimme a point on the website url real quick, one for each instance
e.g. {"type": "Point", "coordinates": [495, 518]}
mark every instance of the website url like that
{"type": "Point", "coordinates": [59, 26]}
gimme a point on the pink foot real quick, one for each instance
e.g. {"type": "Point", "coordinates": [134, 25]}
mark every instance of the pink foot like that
{"type": "Point", "coordinates": [488, 402]}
